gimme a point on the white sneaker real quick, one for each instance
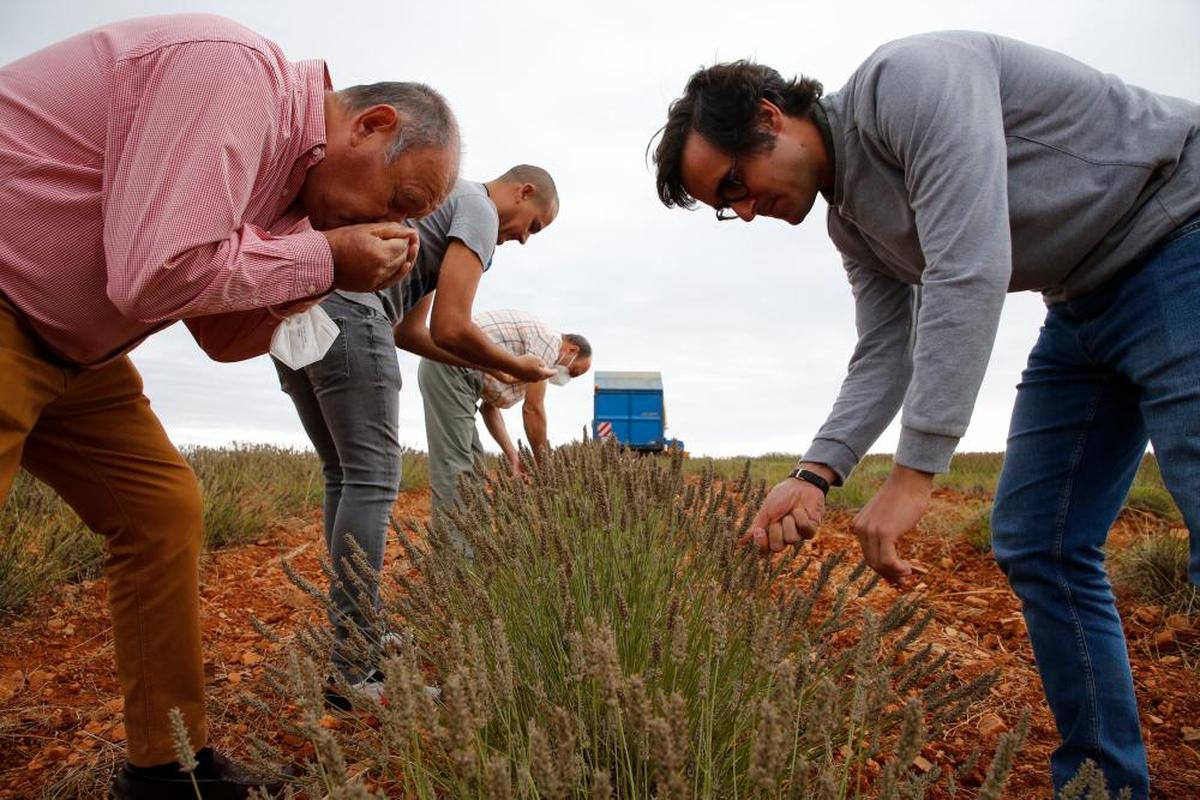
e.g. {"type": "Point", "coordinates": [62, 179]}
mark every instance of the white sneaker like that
{"type": "Point", "coordinates": [370, 687]}
{"type": "Point", "coordinates": [392, 644]}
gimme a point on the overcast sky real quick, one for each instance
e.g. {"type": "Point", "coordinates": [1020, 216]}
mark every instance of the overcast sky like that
{"type": "Point", "coordinates": [750, 325]}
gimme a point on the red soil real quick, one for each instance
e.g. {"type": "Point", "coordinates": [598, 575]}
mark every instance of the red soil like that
{"type": "Point", "coordinates": [61, 725]}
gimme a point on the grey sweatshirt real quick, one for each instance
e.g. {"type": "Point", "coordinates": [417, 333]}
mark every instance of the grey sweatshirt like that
{"type": "Point", "coordinates": [966, 166]}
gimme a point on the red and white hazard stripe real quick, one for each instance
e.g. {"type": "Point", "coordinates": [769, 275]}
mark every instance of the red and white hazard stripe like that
{"type": "Point", "coordinates": [603, 430]}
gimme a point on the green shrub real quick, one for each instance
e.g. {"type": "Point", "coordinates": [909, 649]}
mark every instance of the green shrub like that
{"type": "Point", "coordinates": [873, 470]}
{"type": "Point", "coordinates": [771, 467]}
{"type": "Point", "coordinates": [42, 544]}
{"type": "Point", "coordinates": [1155, 568]}
{"type": "Point", "coordinates": [414, 469]}
{"type": "Point", "coordinates": [863, 482]}
{"type": "Point", "coordinates": [1148, 473]}
{"type": "Point", "coordinates": [606, 637]}
{"type": "Point", "coordinates": [245, 489]}
{"type": "Point", "coordinates": [1154, 499]}
{"type": "Point", "coordinates": [853, 495]}
{"type": "Point", "coordinates": [977, 530]}
{"type": "Point", "coordinates": [973, 473]}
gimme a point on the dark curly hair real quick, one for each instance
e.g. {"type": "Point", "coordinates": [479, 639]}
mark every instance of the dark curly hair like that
{"type": "Point", "coordinates": [722, 103]}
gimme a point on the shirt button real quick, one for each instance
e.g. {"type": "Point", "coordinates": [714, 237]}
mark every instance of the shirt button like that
{"type": "Point", "coordinates": [312, 288]}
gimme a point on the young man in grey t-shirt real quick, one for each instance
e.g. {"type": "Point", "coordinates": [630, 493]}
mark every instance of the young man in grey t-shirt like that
{"type": "Point", "coordinates": [958, 166]}
{"type": "Point", "coordinates": [348, 401]}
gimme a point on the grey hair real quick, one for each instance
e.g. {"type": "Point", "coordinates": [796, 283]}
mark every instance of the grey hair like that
{"type": "Point", "coordinates": [427, 118]}
{"type": "Point", "coordinates": [585, 347]}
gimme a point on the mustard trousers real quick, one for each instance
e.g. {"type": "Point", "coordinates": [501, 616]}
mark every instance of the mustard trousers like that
{"type": "Point", "coordinates": [91, 436]}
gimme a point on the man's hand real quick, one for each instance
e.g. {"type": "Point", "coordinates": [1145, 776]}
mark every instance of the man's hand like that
{"type": "Point", "coordinates": [532, 369]}
{"type": "Point", "coordinates": [892, 512]}
{"type": "Point", "coordinates": [789, 515]}
{"type": "Point", "coordinates": [371, 256]}
{"type": "Point", "coordinates": [514, 462]}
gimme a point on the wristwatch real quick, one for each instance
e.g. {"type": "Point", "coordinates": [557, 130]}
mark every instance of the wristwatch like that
{"type": "Point", "coordinates": [808, 476]}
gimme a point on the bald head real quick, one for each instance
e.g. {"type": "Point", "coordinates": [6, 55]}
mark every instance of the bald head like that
{"type": "Point", "coordinates": [526, 201]}
{"type": "Point", "coordinates": [538, 178]}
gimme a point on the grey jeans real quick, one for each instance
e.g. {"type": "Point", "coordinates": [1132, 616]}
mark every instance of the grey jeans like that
{"type": "Point", "coordinates": [349, 405]}
{"type": "Point", "coordinates": [451, 397]}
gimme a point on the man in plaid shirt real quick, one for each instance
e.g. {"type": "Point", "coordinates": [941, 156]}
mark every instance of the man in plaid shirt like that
{"type": "Point", "coordinates": [452, 395]}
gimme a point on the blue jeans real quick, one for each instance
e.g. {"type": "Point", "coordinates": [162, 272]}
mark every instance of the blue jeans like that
{"type": "Point", "coordinates": [349, 404]}
{"type": "Point", "coordinates": [1111, 370]}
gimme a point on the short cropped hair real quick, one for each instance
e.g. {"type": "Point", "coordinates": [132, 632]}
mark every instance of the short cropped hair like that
{"type": "Point", "coordinates": [585, 347]}
{"type": "Point", "coordinates": [536, 176]}
{"type": "Point", "coordinates": [722, 103]}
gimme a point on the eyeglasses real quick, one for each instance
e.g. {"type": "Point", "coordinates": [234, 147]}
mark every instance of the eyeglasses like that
{"type": "Point", "coordinates": [730, 190]}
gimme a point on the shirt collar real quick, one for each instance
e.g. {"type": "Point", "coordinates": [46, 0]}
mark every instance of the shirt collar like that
{"type": "Point", "coordinates": [821, 119]}
{"type": "Point", "coordinates": [313, 82]}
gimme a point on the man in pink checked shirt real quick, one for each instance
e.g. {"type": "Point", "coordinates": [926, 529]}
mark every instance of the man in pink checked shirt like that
{"type": "Point", "coordinates": [173, 168]}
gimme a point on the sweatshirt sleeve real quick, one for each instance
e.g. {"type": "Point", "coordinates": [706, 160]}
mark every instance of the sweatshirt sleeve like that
{"type": "Point", "coordinates": [936, 109]}
{"type": "Point", "coordinates": [879, 371]}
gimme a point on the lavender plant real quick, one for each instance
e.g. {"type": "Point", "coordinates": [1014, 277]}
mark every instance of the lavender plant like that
{"type": "Point", "coordinates": [605, 639]}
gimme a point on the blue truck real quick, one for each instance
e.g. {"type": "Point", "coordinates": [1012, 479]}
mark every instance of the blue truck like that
{"type": "Point", "coordinates": [629, 407]}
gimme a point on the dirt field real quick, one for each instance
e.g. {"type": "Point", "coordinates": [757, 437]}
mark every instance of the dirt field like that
{"type": "Point", "coordinates": [61, 729]}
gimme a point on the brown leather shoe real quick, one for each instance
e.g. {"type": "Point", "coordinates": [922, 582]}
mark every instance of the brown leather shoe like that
{"type": "Point", "coordinates": [216, 778]}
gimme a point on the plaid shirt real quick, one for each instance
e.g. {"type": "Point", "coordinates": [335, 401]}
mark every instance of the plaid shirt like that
{"type": "Point", "coordinates": [150, 169]}
{"type": "Point", "coordinates": [519, 334]}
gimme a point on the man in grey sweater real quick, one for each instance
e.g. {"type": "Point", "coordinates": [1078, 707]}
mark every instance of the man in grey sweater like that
{"type": "Point", "coordinates": [957, 167]}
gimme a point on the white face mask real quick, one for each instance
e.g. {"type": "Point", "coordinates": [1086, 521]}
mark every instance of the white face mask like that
{"type": "Point", "coordinates": [304, 338]}
{"type": "Point", "coordinates": [560, 377]}
{"type": "Point", "coordinates": [562, 373]}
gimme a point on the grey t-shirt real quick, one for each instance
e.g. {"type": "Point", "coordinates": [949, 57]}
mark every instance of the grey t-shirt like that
{"type": "Point", "coordinates": [467, 215]}
{"type": "Point", "coordinates": [968, 165]}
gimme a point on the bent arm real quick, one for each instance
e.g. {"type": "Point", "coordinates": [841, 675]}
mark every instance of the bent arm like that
{"type": "Point", "coordinates": [878, 374]}
{"type": "Point", "coordinates": [412, 334]}
{"type": "Point", "coordinates": [240, 335]}
{"type": "Point", "coordinates": [176, 240]}
{"type": "Point", "coordinates": [939, 113]}
{"type": "Point", "coordinates": [493, 420]}
{"type": "Point", "coordinates": [450, 325]}
{"type": "Point", "coordinates": [533, 415]}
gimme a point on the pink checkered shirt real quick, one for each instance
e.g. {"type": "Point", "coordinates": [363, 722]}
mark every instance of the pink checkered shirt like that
{"type": "Point", "coordinates": [519, 334]}
{"type": "Point", "coordinates": [149, 170]}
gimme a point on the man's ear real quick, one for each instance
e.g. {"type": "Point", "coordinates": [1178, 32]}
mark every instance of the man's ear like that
{"type": "Point", "coordinates": [381, 119]}
{"type": "Point", "coordinates": [527, 191]}
{"type": "Point", "coordinates": [770, 116]}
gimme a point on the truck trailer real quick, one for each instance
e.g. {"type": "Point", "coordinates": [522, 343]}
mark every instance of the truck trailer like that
{"type": "Point", "coordinates": [629, 407]}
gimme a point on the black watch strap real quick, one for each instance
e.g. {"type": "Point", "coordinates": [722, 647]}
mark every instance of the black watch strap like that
{"type": "Point", "coordinates": [808, 476]}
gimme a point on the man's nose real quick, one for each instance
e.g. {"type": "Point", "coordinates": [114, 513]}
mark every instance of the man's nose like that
{"type": "Point", "coordinates": [745, 208]}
